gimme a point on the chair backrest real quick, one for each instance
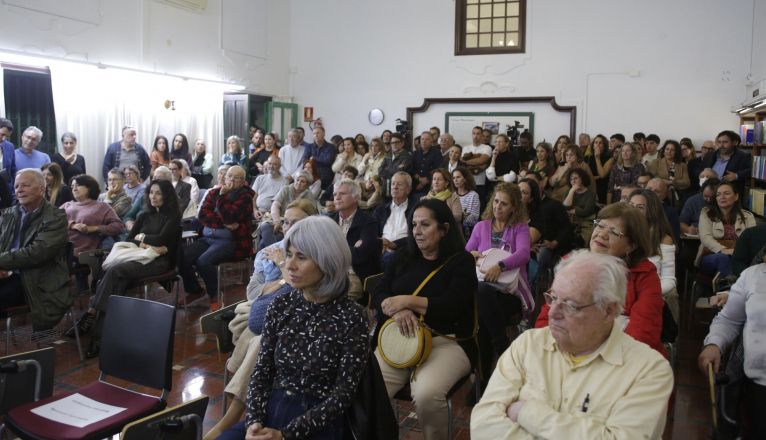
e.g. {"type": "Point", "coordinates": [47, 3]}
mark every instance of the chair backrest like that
{"type": "Point", "coordinates": [170, 424]}
{"type": "Point", "coordinates": [137, 341]}
{"type": "Point", "coordinates": [371, 285]}
{"type": "Point", "coordinates": [19, 388]}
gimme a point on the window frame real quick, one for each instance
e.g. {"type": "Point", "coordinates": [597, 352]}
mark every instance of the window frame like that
{"type": "Point", "coordinates": [460, 32]}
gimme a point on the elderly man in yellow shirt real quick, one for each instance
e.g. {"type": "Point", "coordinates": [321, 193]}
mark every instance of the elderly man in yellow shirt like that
{"type": "Point", "coordinates": [580, 377]}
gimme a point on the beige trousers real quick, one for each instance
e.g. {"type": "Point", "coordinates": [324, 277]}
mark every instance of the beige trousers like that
{"type": "Point", "coordinates": [443, 368]}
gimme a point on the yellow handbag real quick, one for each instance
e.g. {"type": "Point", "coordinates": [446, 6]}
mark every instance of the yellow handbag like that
{"type": "Point", "coordinates": [400, 351]}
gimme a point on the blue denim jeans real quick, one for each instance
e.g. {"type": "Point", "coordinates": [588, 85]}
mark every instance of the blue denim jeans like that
{"type": "Point", "coordinates": [713, 263]}
{"type": "Point", "coordinates": [283, 407]}
{"type": "Point", "coordinates": [204, 254]}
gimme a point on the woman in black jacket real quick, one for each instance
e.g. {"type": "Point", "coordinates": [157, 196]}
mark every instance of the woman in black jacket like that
{"type": "Point", "coordinates": [157, 227]}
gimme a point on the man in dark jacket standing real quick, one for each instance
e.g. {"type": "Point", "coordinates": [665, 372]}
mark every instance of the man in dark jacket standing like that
{"type": "Point", "coordinates": [33, 260]}
{"type": "Point", "coordinates": [125, 153]}
{"type": "Point", "coordinates": [729, 162]}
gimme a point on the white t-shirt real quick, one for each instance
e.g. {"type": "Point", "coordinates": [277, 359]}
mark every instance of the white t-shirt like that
{"type": "Point", "coordinates": [267, 187]}
{"type": "Point", "coordinates": [480, 178]}
{"type": "Point", "coordinates": [396, 225]}
{"type": "Point", "coordinates": [291, 158]}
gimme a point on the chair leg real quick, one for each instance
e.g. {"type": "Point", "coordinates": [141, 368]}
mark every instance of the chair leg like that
{"type": "Point", "coordinates": [76, 334]}
{"type": "Point", "coordinates": [450, 419]}
{"type": "Point", "coordinates": [220, 270]}
{"type": "Point", "coordinates": [7, 335]}
{"type": "Point", "coordinates": [146, 291]}
{"type": "Point", "coordinates": [225, 398]}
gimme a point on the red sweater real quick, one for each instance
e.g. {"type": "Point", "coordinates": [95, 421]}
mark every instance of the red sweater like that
{"type": "Point", "coordinates": [643, 305]}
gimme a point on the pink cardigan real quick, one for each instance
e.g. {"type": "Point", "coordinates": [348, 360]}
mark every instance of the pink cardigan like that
{"type": "Point", "coordinates": [516, 241]}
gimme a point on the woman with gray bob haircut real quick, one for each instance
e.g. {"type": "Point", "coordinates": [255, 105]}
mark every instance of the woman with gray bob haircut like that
{"type": "Point", "coordinates": [321, 240]}
{"type": "Point", "coordinates": [314, 344]}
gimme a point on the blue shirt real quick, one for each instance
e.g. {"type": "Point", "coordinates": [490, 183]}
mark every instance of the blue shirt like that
{"type": "Point", "coordinates": [720, 166]}
{"type": "Point", "coordinates": [690, 214]}
{"type": "Point", "coordinates": [34, 160]}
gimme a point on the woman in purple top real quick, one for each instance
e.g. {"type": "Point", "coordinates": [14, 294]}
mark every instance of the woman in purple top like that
{"type": "Point", "coordinates": [504, 226]}
{"type": "Point", "coordinates": [89, 220]}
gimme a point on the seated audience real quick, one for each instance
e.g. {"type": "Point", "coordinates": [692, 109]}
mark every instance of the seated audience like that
{"type": "Point", "coordinates": [446, 304]}
{"type": "Point", "coordinates": [626, 191]}
{"type": "Point", "coordinates": [393, 217]}
{"type": "Point", "coordinates": [750, 244]}
{"type": "Point", "coordinates": [620, 230]}
{"type": "Point", "coordinates": [316, 188]}
{"type": "Point", "coordinates": [314, 345]}
{"type": "Point", "coordinates": [261, 154]}
{"type": "Point", "coordinates": [720, 225]}
{"type": "Point", "coordinates": [559, 149]}
{"type": "Point", "coordinates": [742, 315]}
{"type": "Point", "coordinates": [504, 226]}
{"type": "Point", "coordinates": [127, 152]}
{"type": "Point", "coordinates": [134, 187]}
{"type": "Point", "coordinates": [267, 284]}
{"type": "Point", "coordinates": [453, 158]}
{"type": "Point", "coordinates": [226, 216]}
{"type": "Point", "coordinates": [643, 179]}
{"type": "Point", "coordinates": [89, 220]}
{"type": "Point", "coordinates": [299, 189]}
{"type": "Point", "coordinates": [183, 189]}
{"type": "Point", "coordinates": [663, 247]}
{"type": "Point", "coordinates": [550, 228]}
{"type": "Point", "coordinates": [26, 155]}
{"type": "Point", "coordinates": [346, 157]}
{"type": "Point", "coordinates": [160, 155]}
{"type": "Point", "coordinates": [650, 152]}
{"type": "Point", "coordinates": [34, 267]}
{"type": "Point", "coordinates": [671, 169]}
{"type": "Point", "coordinates": [581, 377]}
{"type": "Point", "coordinates": [443, 189]}
{"type": "Point", "coordinates": [559, 181]}
{"type": "Point", "coordinates": [115, 195]}
{"type": "Point", "coordinates": [660, 187]}
{"type": "Point", "coordinates": [157, 227]}
{"type": "Point", "coordinates": [626, 172]}
{"type": "Point", "coordinates": [690, 214]}
{"type": "Point", "coordinates": [543, 163]}
{"type": "Point", "coordinates": [361, 232]}
{"type": "Point", "coordinates": [580, 202]}
{"type": "Point", "coordinates": [71, 163]}
{"type": "Point", "coordinates": [693, 164]}
{"type": "Point", "coordinates": [267, 186]}
{"type": "Point", "coordinates": [234, 154]}
{"type": "Point", "coordinates": [372, 161]}
{"type": "Point", "coordinates": [469, 198]}
{"type": "Point", "coordinates": [202, 165]}
{"type": "Point", "coordinates": [56, 191]}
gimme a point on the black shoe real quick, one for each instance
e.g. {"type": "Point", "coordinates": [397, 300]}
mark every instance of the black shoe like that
{"type": "Point", "coordinates": [93, 349]}
{"type": "Point", "coordinates": [84, 325]}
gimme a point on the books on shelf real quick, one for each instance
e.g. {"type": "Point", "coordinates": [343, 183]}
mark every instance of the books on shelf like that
{"type": "Point", "coordinates": [756, 200]}
{"type": "Point", "coordinates": [747, 133]}
{"type": "Point", "coordinates": [759, 132]}
{"type": "Point", "coordinates": [759, 167]}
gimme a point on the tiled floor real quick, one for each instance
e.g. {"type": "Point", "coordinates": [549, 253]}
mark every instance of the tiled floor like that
{"type": "Point", "coordinates": [199, 371]}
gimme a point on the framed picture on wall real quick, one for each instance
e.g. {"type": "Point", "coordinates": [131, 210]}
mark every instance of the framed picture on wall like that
{"type": "Point", "coordinates": [494, 127]}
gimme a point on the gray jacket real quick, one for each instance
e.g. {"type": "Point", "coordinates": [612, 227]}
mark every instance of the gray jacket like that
{"type": "Point", "coordinates": [41, 260]}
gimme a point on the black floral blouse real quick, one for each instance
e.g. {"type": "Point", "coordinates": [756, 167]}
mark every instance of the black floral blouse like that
{"type": "Point", "coordinates": [315, 349]}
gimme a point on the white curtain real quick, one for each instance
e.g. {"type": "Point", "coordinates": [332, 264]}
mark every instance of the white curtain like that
{"type": "Point", "coordinates": [95, 104]}
{"type": "Point", "coordinates": [2, 93]}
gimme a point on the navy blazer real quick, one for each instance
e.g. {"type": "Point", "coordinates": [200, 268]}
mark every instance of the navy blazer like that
{"type": "Point", "coordinates": [382, 213]}
{"type": "Point", "coordinates": [365, 257]}
{"type": "Point", "coordinates": [740, 162]}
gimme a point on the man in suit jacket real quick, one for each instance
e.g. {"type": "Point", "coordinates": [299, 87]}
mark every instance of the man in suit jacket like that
{"type": "Point", "coordinates": [8, 154]}
{"type": "Point", "coordinates": [361, 231]}
{"type": "Point", "coordinates": [392, 229]}
{"type": "Point", "coordinates": [729, 162]}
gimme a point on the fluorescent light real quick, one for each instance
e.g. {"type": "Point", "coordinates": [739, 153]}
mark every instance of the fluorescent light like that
{"type": "Point", "coordinates": [47, 60]}
{"type": "Point", "coordinates": [760, 104]}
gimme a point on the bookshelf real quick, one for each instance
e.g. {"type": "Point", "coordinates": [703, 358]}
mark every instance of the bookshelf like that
{"type": "Point", "coordinates": [753, 134]}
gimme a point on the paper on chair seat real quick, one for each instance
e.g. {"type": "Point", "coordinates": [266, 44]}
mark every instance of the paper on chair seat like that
{"type": "Point", "coordinates": [77, 410]}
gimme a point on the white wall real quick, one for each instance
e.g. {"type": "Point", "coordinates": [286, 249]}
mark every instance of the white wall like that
{"type": "Point", "coordinates": [758, 71]}
{"type": "Point", "coordinates": [670, 67]}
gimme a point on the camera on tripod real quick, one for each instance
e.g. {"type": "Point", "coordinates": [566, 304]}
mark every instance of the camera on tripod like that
{"type": "Point", "coordinates": [513, 132]}
{"type": "Point", "coordinates": [402, 127]}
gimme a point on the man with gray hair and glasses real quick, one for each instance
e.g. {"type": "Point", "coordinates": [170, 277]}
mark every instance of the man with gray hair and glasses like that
{"type": "Point", "coordinates": [582, 376]}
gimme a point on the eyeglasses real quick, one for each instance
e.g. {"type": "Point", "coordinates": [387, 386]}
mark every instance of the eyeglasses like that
{"type": "Point", "coordinates": [173, 169]}
{"type": "Point", "coordinates": [235, 178]}
{"type": "Point", "coordinates": [600, 226]}
{"type": "Point", "coordinates": [396, 142]}
{"type": "Point", "coordinates": [566, 307]}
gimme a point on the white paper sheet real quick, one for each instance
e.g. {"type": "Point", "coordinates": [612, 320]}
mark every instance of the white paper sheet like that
{"type": "Point", "coordinates": [77, 410]}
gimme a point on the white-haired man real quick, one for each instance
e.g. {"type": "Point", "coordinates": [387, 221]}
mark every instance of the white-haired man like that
{"type": "Point", "coordinates": [361, 232]}
{"type": "Point", "coordinates": [581, 377]}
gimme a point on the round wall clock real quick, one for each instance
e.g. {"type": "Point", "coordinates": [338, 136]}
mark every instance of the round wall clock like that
{"type": "Point", "coordinates": [376, 116]}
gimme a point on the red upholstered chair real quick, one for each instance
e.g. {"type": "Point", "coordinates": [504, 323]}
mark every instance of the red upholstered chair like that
{"type": "Point", "coordinates": [136, 346]}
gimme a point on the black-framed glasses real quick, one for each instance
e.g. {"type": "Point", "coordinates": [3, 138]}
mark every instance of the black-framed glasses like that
{"type": "Point", "coordinates": [566, 307]}
{"type": "Point", "coordinates": [600, 226]}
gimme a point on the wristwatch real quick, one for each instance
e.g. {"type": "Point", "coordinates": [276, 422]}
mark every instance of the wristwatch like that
{"type": "Point", "coordinates": [501, 265]}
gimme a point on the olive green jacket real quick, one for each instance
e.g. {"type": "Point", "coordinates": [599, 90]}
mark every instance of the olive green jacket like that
{"type": "Point", "coordinates": [41, 260]}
